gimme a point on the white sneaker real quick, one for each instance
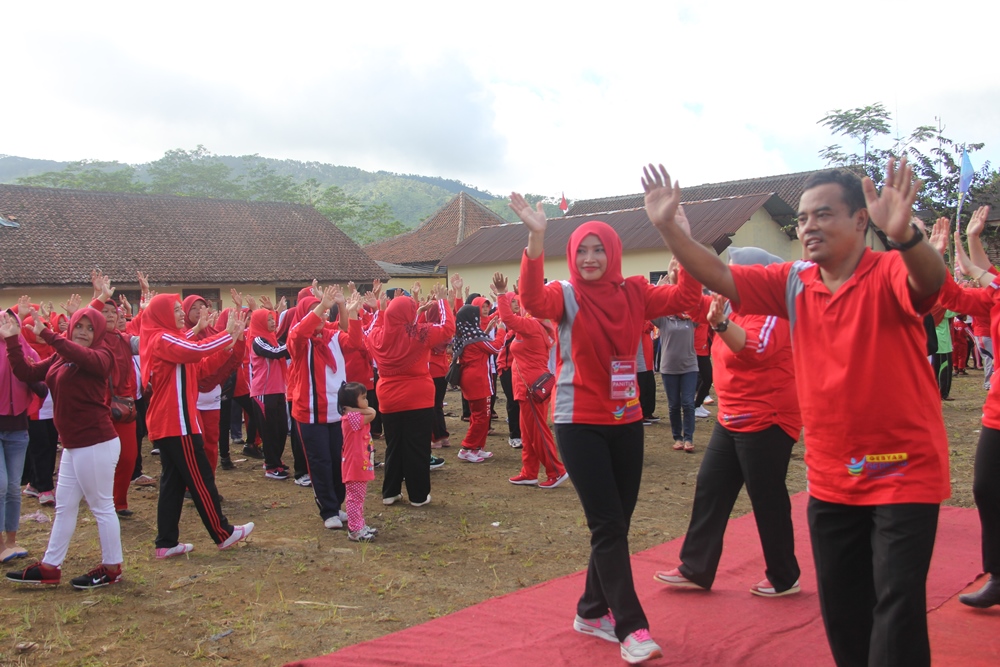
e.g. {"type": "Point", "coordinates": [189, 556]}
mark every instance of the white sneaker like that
{"type": "Point", "coordinates": [639, 647]}
{"type": "Point", "coordinates": [483, 454]}
{"type": "Point", "coordinates": [343, 515]}
{"type": "Point", "coordinates": [470, 456]}
{"type": "Point", "coordinates": [333, 522]}
{"type": "Point", "coordinates": [239, 533]}
{"type": "Point", "coordinates": [305, 480]}
{"type": "Point", "coordinates": [603, 627]}
{"type": "Point", "coordinates": [390, 500]}
{"type": "Point", "coordinates": [177, 550]}
{"type": "Point", "coordinates": [426, 502]}
{"type": "Point", "coordinates": [515, 443]}
{"type": "Point", "coordinates": [701, 412]}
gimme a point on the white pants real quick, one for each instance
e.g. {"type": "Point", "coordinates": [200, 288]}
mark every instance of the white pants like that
{"type": "Point", "coordinates": [87, 472]}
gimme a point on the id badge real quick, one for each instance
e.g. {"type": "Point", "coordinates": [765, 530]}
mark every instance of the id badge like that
{"type": "Point", "coordinates": [623, 379]}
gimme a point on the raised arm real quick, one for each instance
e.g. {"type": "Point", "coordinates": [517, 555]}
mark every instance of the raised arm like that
{"type": "Point", "coordinates": [973, 232]}
{"type": "Point", "coordinates": [663, 199]}
{"type": "Point", "coordinates": [891, 211]}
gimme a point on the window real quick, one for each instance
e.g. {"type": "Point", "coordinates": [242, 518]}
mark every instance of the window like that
{"type": "Point", "coordinates": [290, 293]}
{"type": "Point", "coordinates": [210, 295]}
{"type": "Point", "coordinates": [654, 276]}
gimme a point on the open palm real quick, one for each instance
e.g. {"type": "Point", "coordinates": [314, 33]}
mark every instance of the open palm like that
{"type": "Point", "coordinates": [533, 218]}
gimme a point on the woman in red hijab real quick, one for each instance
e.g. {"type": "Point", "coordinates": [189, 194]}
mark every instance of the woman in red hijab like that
{"type": "Point", "coordinates": [401, 348]}
{"type": "Point", "coordinates": [77, 375]}
{"type": "Point", "coordinates": [267, 389]}
{"type": "Point", "coordinates": [173, 364]}
{"type": "Point", "coordinates": [598, 419]}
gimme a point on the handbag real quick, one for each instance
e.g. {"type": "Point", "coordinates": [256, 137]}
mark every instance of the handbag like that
{"type": "Point", "coordinates": [541, 389]}
{"type": "Point", "coordinates": [454, 375]}
{"type": "Point", "coordinates": [123, 409]}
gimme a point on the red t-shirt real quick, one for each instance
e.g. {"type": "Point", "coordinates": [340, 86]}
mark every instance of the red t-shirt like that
{"type": "Point", "coordinates": [756, 386]}
{"type": "Point", "coordinates": [870, 404]}
{"type": "Point", "coordinates": [983, 303]}
{"type": "Point", "coordinates": [357, 461]}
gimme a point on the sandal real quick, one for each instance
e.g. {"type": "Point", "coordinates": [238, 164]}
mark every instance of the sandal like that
{"type": "Point", "coordinates": [689, 447]}
{"type": "Point", "coordinates": [678, 445]}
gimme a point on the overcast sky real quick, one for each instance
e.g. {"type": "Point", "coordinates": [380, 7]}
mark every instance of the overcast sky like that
{"type": "Point", "coordinates": [534, 96]}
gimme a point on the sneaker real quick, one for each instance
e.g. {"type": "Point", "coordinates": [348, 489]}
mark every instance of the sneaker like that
{"type": "Point", "coordinates": [392, 499]}
{"type": "Point", "coordinates": [553, 482]}
{"type": "Point", "coordinates": [100, 576]}
{"type": "Point", "coordinates": [178, 550]}
{"type": "Point", "coordinates": [603, 627]}
{"type": "Point", "coordinates": [640, 647]}
{"type": "Point", "coordinates": [708, 401]}
{"type": "Point", "coordinates": [426, 502]}
{"type": "Point", "coordinates": [483, 454]}
{"type": "Point", "coordinates": [226, 463]}
{"type": "Point", "coordinates": [47, 498]}
{"type": "Point", "coordinates": [470, 456]}
{"type": "Point", "coordinates": [515, 443]}
{"type": "Point", "coordinates": [333, 523]}
{"type": "Point", "coordinates": [253, 452]}
{"type": "Point", "coordinates": [155, 451]}
{"type": "Point", "coordinates": [701, 412]}
{"type": "Point", "coordinates": [652, 418]}
{"type": "Point", "coordinates": [523, 481]}
{"type": "Point", "coordinates": [30, 491]}
{"type": "Point", "coordinates": [436, 462]}
{"type": "Point", "coordinates": [144, 480]}
{"type": "Point", "coordinates": [276, 473]}
{"type": "Point", "coordinates": [765, 589]}
{"type": "Point", "coordinates": [436, 444]}
{"type": "Point", "coordinates": [676, 579]}
{"type": "Point", "coordinates": [366, 534]}
{"type": "Point", "coordinates": [445, 441]}
{"type": "Point", "coordinates": [36, 573]}
{"type": "Point", "coordinates": [305, 480]}
{"type": "Point", "coordinates": [646, 422]}
{"type": "Point", "coordinates": [125, 513]}
{"type": "Point", "coordinates": [239, 441]}
{"type": "Point", "coordinates": [239, 533]}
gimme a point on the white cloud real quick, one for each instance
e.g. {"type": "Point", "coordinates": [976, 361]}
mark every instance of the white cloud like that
{"type": "Point", "coordinates": [541, 97]}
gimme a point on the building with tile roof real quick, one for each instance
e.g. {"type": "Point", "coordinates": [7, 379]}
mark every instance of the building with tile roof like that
{"type": "Point", "coordinates": [52, 238]}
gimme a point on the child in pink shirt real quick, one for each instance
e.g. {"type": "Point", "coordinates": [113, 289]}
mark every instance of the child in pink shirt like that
{"type": "Point", "coordinates": [358, 456]}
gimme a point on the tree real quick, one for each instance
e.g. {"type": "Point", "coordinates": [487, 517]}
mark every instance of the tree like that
{"type": "Point", "coordinates": [935, 158]}
{"type": "Point", "coordinates": [264, 183]}
{"type": "Point", "coordinates": [89, 175]}
{"type": "Point", "coordinates": [194, 173]}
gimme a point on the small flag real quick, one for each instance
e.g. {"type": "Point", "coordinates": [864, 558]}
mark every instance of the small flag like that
{"type": "Point", "coordinates": [965, 177]}
{"type": "Point", "coordinates": [564, 205]}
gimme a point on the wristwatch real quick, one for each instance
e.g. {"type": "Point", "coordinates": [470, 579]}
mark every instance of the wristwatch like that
{"type": "Point", "coordinates": [918, 236]}
{"type": "Point", "coordinates": [721, 326]}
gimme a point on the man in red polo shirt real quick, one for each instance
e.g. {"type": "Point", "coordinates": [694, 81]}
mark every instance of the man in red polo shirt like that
{"type": "Point", "coordinates": [877, 460]}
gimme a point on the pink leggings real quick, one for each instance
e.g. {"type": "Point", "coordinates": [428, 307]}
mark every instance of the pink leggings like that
{"type": "Point", "coordinates": [356, 505]}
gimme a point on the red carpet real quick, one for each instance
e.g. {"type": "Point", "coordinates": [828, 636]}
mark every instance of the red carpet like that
{"type": "Point", "coordinates": [726, 626]}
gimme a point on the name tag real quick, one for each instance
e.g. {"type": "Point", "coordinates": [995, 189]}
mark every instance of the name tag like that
{"type": "Point", "coordinates": [623, 379]}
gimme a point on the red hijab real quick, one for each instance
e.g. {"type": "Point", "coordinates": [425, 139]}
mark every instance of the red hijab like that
{"type": "Point", "coordinates": [400, 341]}
{"type": "Point", "coordinates": [158, 319]}
{"type": "Point", "coordinates": [43, 349]}
{"type": "Point", "coordinates": [258, 326]}
{"type": "Point", "coordinates": [287, 322]}
{"type": "Point", "coordinates": [612, 318]}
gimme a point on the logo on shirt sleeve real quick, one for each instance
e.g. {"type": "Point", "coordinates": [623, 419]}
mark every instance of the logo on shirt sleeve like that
{"type": "Point", "coordinates": [877, 466]}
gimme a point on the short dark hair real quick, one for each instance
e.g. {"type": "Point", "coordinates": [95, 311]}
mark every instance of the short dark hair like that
{"type": "Point", "coordinates": [850, 184]}
{"type": "Point", "coordinates": [348, 395]}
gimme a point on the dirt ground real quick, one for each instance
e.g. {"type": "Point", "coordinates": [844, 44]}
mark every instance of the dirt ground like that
{"type": "Point", "coordinates": [297, 590]}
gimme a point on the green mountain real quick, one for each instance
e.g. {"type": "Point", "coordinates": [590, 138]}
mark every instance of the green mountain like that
{"type": "Point", "coordinates": [410, 197]}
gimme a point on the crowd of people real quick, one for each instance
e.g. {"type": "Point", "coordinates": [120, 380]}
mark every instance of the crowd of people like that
{"type": "Point", "coordinates": [787, 345]}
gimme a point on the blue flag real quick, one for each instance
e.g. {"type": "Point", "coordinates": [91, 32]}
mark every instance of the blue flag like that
{"type": "Point", "coordinates": [965, 178]}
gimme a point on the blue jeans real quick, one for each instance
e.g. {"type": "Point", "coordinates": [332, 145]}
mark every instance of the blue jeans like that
{"type": "Point", "coordinates": [13, 446]}
{"type": "Point", "coordinates": [680, 397]}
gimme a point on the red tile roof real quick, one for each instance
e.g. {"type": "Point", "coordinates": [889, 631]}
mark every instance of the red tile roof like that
{"type": "Point", "coordinates": [712, 223]}
{"type": "Point", "coordinates": [62, 234]}
{"type": "Point", "coordinates": [438, 235]}
{"type": "Point", "coordinates": [788, 187]}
